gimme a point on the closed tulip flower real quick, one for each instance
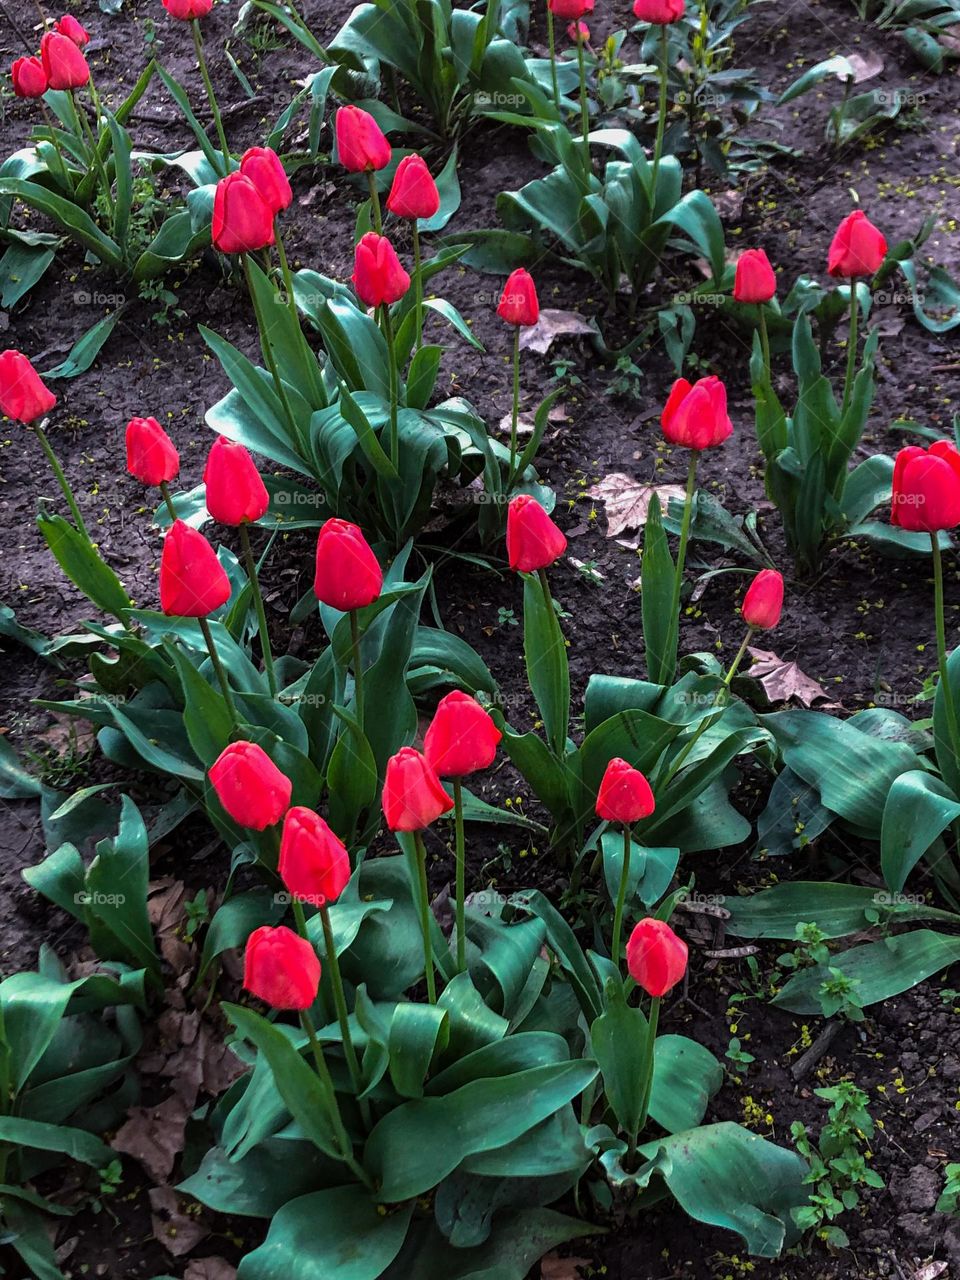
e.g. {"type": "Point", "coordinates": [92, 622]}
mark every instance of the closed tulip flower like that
{"type": "Point", "coordinates": [462, 737]}
{"type": "Point", "coordinates": [249, 785]}
{"type": "Point", "coordinates": [659, 12]}
{"type": "Point", "coordinates": [624, 794]}
{"type": "Point", "coordinates": [242, 219]}
{"type": "Point", "coordinates": [235, 491]}
{"type": "Point", "coordinates": [412, 794]}
{"type": "Point", "coordinates": [151, 456]}
{"type": "Point", "coordinates": [533, 540]}
{"type": "Point", "coordinates": [754, 281]}
{"type": "Point", "coordinates": [656, 957]}
{"type": "Point", "coordinates": [414, 193]}
{"type": "Point", "coordinates": [29, 78]}
{"type": "Point", "coordinates": [264, 169]}
{"type": "Point", "coordinates": [696, 416]}
{"type": "Point", "coordinates": [68, 26]}
{"type": "Point", "coordinates": [281, 968]}
{"type": "Point", "coordinates": [519, 303]}
{"type": "Point", "coordinates": [193, 582]}
{"type": "Point", "coordinates": [314, 863]}
{"type": "Point", "coordinates": [858, 248]}
{"type": "Point", "coordinates": [348, 575]}
{"type": "Point", "coordinates": [763, 603]}
{"type": "Point", "coordinates": [578, 31]}
{"type": "Point", "coordinates": [187, 10]}
{"type": "Point", "coordinates": [570, 10]}
{"type": "Point", "coordinates": [926, 488]}
{"type": "Point", "coordinates": [23, 395]}
{"type": "Point", "coordinates": [361, 145]}
{"type": "Point", "coordinates": [378, 276]}
{"type": "Point", "coordinates": [64, 64]}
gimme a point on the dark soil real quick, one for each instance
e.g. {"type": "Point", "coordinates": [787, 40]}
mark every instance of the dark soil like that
{"type": "Point", "coordinates": [862, 626]}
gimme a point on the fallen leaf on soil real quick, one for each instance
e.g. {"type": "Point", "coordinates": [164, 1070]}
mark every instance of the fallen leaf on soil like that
{"type": "Point", "coordinates": [930, 1271]}
{"type": "Point", "coordinates": [783, 680]}
{"type": "Point", "coordinates": [177, 1231]}
{"type": "Point", "coordinates": [154, 1136]}
{"type": "Point", "coordinates": [551, 326]}
{"type": "Point", "coordinates": [729, 204]}
{"type": "Point", "coordinates": [525, 423]}
{"type": "Point", "coordinates": [553, 1267]}
{"type": "Point", "coordinates": [167, 915]}
{"type": "Point", "coordinates": [628, 501]}
{"type": "Point", "coordinates": [865, 67]}
{"type": "Point", "coordinates": [210, 1269]}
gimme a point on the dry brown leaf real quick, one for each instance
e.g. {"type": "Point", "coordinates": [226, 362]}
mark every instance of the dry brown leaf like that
{"type": "Point", "coordinates": [552, 325]}
{"type": "Point", "coordinates": [783, 680]}
{"type": "Point", "coordinates": [154, 1136]}
{"type": "Point", "coordinates": [865, 66]}
{"type": "Point", "coordinates": [210, 1269]}
{"type": "Point", "coordinates": [553, 1267]}
{"type": "Point", "coordinates": [525, 423]}
{"type": "Point", "coordinates": [177, 1231]}
{"type": "Point", "coordinates": [628, 500]}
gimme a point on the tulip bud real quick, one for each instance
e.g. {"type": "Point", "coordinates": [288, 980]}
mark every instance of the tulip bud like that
{"type": "Point", "coordinates": [69, 26]}
{"type": "Point", "coordinates": [763, 603]}
{"type": "Point", "coordinates": [412, 794]}
{"type": "Point", "coordinates": [656, 957]}
{"type": "Point", "coordinates": [281, 968]}
{"type": "Point", "coordinates": [250, 786]}
{"type": "Point", "coordinates": [926, 488]}
{"type": "Point", "coordinates": [533, 540]}
{"type": "Point", "coordinates": [348, 575]}
{"type": "Point", "coordinates": [378, 276]}
{"type": "Point", "coordinates": [193, 583]}
{"type": "Point", "coordinates": [264, 169]}
{"type": "Point", "coordinates": [624, 794]}
{"type": "Point", "coordinates": [578, 31]}
{"type": "Point", "coordinates": [754, 281]}
{"type": "Point", "coordinates": [187, 10]}
{"type": "Point", "coordinates": [314, 863]}
{"type": "Point", "coordinates": [414, 193]}
{"type": "Point", "coordinates": [242, 219]}
{"type": "Point", "coordinates": [570, 9]}
{"type": "Point", "coordinates": [658, 12]}
{"type": "Point", "coordinates": [462, 737]}
{"type": "Point", "coordinates": [151, 456]}
{"type": "Point", "coordinates": [64, 64]}
{"type": "Point", "coordinates": [857, 249]}
{"type": "Point", "coordinates": [519, 303]}
{"type": "Point", "coordinates": [361, 145]}
{"type": "Point", "coordinates": [29, 78]}
{"type": "Point", "coordinates": [235, 491]}
{"type": "Point", "coordinates": [22, 393]}
{"type": "Point", "coordinates": [696, 416]}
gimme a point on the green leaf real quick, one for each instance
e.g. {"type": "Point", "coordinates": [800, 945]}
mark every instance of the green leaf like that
{"type": "Point", "coordinates": [16, 783]}
{"type": "Point", "coordinates": [879, 970]}
{"type": "Point", "coordinates": [67, 215]}
{"type": "Point", "coordinates": [919, 808]}
{"type": "Point", "coordinates": [21, 266]}
{"type": "Point", "coordinates": [686, 1075]}
{"type": "Point", "coordinates": [660, 623]}
{"type": "Point", "coordinates": [618, 1040]}
{"type": "Point", "coordinates": [84, 566]}
{"type": "Point", "coordinates": [76, 1143]}
{"type": "Point", "coordinates": [86, 349]}
{"type": "Point", "coordinates": [838, 909]}
{"type": "Point", "coordinates": [116, 893]}
{"type": "Point", "coordinates": [545, 653]}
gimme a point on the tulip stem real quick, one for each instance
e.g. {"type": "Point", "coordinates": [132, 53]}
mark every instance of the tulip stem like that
{"type": "Point", "coordinates": [515, 420]}
{"type": "Point", "coordinates": [949, 704]}
{"type": "Point", "coordinates": [584, 109]}
{"type": "Point", "coordinates": [285, 272]}
{"type": "Point", "coordinates": [211, 96]}
{"type": "Point", "coordinates": [417, 284]}
{"type": "Point", "coordinates": [218, 668]}
{"type": "Point", "coordinates": [375, 202]}
{"type": "Point", "coordinates": [621, 895]}
{"type": "Point", "coordinates": [326, 1080]}
{"type": "Point", "coordinates": [95, 153]}
{"type": "Point", "coordinates": [551, 39]}
{"type": "Point", "coordinates": [461, 875]}
{"type": "Point", "coordinates": [765, 342]}
{"type": "Point", "coordinates": [62, 480]}
{"type": "Point", "coordinates": [268, 350]}
{"type": "Point", "coordinates": [394, 382]}
{"type": "Point", "coordinates": [340, 1001]}
{"type": "Point", "coordinates": [851, 344]}
{"type": "Point", "coordinates": [357, 666]}
{"type": "Point", "coordinates": [171, 509]}
{"type": "Point", "coordinates": [646, 1073]}
{"type": "Point", "coordinates": [251, 567]}
{"type": "Point", "coordinates": [424, 895]}
{"type": "Point", "coordinates": [661, 114]}
{"type": "Point", "coordinates": [684, 539]}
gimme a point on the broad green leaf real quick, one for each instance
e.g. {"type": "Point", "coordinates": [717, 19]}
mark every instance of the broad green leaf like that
{"type": "Point", "coordinates": [919, 808]}
{"type": "Point", "coordinates": [548, 670]}
{"type": "Point", "coordinates": [84, 566]}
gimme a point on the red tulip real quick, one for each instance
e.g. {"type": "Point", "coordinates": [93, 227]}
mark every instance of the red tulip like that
{"type": "Point", "coordinates": [361, 145]}
{"type": "Point", "coordinates": [242, 219]}
{"type": "Point", "coordinates": [754, 281]}
{"type": "Point", "coordinates": [578, 31]}
{"type": "Point", "coordinates": [264, 169]}
{"type": "Point", "coordinates": [533, 540]}
{"type": "Point", "coordinates": [926, 488]}
{"type": "Point", "coordinates": [656, 957]}
{"type": "Point", "coordinates": [412, 794]}
{"type": "Point", "coordinates": [68, 26]}
{"type": "Point", "coordinates": [193, 583]}
{"type": "Point", "coordinates": [29, 78]}
{"type": "Point", "coordinates": [462, 737]}
{"type": "Point", "coordinates": [378, 276]}
{"type": "Point", "coordinates": [570, 9]}
{"type": "Point", "coordinates": [187, 10]}
{"type": "Point", "coordinates": [314, 863]}
{"type": "Point", "coordinates": [625, 794]}
{"type": "Point", "coordinates": [250, 786]}
{"type": "Point", "coordinates": [348, 575]}
{"type": "Point", "coordinates": [64, 64]}
{"type": "Point", "coordinates": [858, 248]}
{"type": "Point", "coordinates": [696, 416]}
{"type": "Point", "coordinates": [22, 393]}
{"type": "Point", "coordinates": [281, 968]}
{"type": "Point", "coordinates": [235, 492]}
{"type": "Point", "coordinates": [151, 456]}
{"type": "Point", "coordinates": [519, 303]}
{"type": "Point", "coordinates": [660, 12]}
{"type": "Point", "coordinates": [763, 603]}
{"type": "Point", "coordinates": [414, 193]}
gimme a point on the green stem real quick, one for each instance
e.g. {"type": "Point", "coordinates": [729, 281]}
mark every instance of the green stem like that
{"type": "Point", "coordinates": [765, 342]}
{"type": "Point", "coordinates": [340, 1001]}
{"type": "Point", "coordinates": [375, 202]}
{"type": "Point", "coordinates": [851, 344]}
{"type": "Point", "coordinates": [286, 273]}
{"type": "Point", "coordinates": [251, 567]}
{"type": "Point", "coordinates": [220, 673]}
{"type": "Point", "coordinates": [551, 38]}
{"type": "Point", "coordinates": [95, 154]}
{"type": "Point", "coordinates": [326, 1080]}
{"type": "Point", "coordinates": [948, 702]}
{"type": "Point", "coordinates": [211, 96]}
{"type": "Point", "coordinates": [461, 875]}
{"type": "Point", "coordinates": [661, 113]}
{"type": "Point", "coordinates": [515, 420]}
{"type": "Point", "coordinates": [418, 285]}
{"type": "Point", "coordinates": [62, 480]}
{"type": "Point", "coordinates": [165, 491]}
{"type": "Point", "coordinates": [268, 350]}
{"type": "Point", "coordinates": [584, 109]}
{"type": "Point", "coordinates": [424, 895]}
{"type": "Point", "coordinates": [621, 896]}
{"type": "Point", "coordinates": [393, 374]}
{"type": "Point", "coordinates": [357, 666]}
{"type": "Point", "coordinates": [684, 533]}
{"type": "Point", "coordinates": [646, 1073]}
